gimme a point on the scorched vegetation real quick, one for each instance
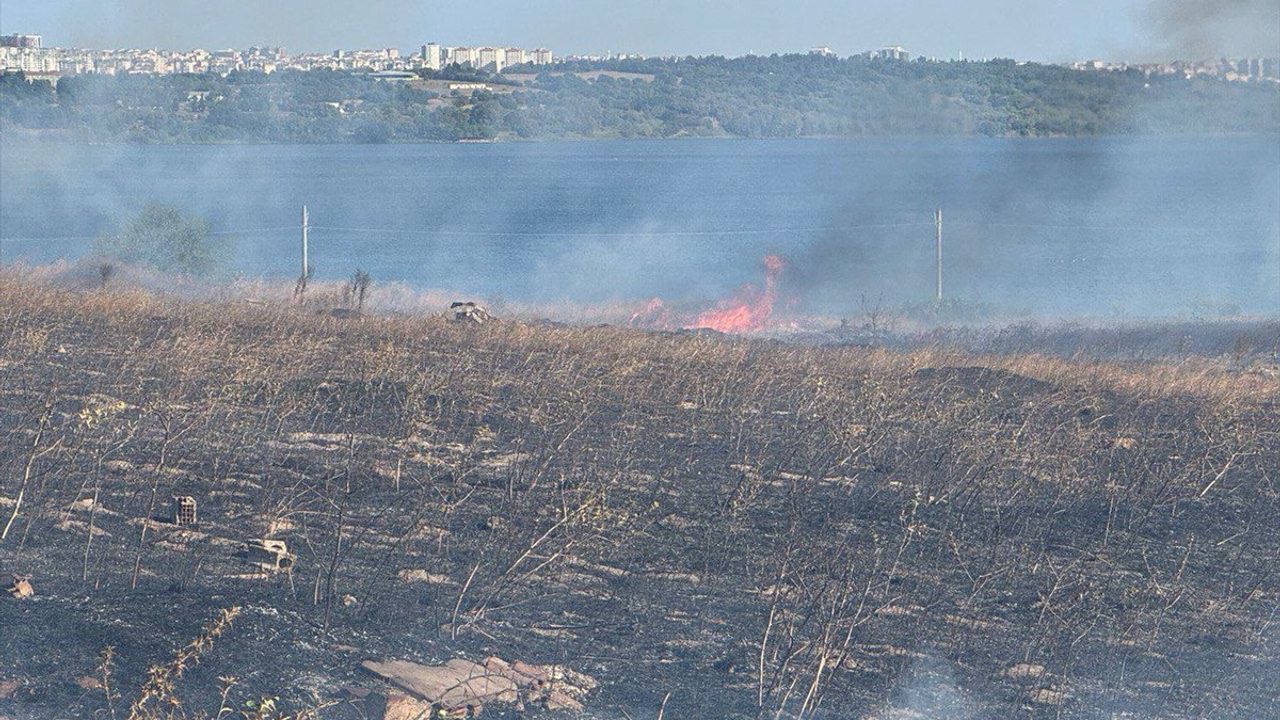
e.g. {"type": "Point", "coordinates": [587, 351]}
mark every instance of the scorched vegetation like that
{"type": "Point", "coordinates": [737, 528]}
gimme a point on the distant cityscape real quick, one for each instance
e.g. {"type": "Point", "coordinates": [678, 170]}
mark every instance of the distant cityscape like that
{"type": "Point", "coordinates": [27, 54]}
{"type": "Point", "coordinates": [1235, 70]}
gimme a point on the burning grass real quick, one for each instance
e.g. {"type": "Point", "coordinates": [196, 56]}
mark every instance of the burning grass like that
{"type": "Point", "coordinates": [735, 528]}
{"type": "Point", "coordinates": [750, 310]}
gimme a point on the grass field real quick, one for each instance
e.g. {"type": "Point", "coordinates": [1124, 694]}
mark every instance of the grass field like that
{"type": "Point", "coordinates": [755, 528]}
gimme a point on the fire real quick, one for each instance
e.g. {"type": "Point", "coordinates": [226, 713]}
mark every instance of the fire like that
{"type": "Point", "coordinates": [750, 310]}
{"type": "Point", "coordinates": [653, 315]}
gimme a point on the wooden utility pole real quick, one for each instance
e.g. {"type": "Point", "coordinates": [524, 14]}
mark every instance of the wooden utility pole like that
{"type": "Point", "coordinates": [305, 225]}
{"type": "Point", "coordinates": [937, 258]}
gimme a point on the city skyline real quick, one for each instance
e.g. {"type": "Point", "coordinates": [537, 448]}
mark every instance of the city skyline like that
{"type": "Point", "coordinates": [1120, 30]}
{"type": "Point", "coordinates": [28, 54]}
{"type": "Point", "coordinates": [437, 55]}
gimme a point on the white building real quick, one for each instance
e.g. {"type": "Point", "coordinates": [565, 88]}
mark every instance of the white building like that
{"type": "Point", "coordinates": [541, 56]}
{"type": "Point", "coordinates": [491, 58]}
{"type": "Point", "coordinates": [516, 56]}
{"type": "Point", "coordinates": [36, 61]}
{"type": "Point", "coordinates": [890, 52]}
{"type": "Point", "coordinates": [462, 56]}
{"type": "Point", "coordinates": [431, 56]}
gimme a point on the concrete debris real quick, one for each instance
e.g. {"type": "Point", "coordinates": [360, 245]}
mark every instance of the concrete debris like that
{"type": "Point", "coordinates": [268, 555]}
{"type": "Point", "coordinates": [21, 588]}
{"type": "Point", "coordinates": [461, 688]}
{"type": "Point", "coordinates": [399, 706]}
{"type": "Point", "coordinates": [469, 312]}
{"type": "Point", "coordinates": [390, 705]}
{"type": "Point", "coordinates": [184, 510]}
{"type": "Point", "coordinates": [1024, 670]}
{"type": "Point", "coordinates": [1049, 696]}
{"type": "Point", "coordinates": [89, 682]}
{"type": "Point", "coordinates": [418, 575]}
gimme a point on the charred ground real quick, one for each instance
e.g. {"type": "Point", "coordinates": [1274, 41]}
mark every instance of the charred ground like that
{"type": "Point", "coordinates": [755, 528]}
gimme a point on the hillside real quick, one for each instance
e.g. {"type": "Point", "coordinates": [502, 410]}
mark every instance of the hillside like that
{"type": "Point", "coordinates": [778, 96]}
{"type": "Point", "coordinates": [732, 528]}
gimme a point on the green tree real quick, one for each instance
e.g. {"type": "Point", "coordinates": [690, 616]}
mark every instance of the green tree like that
{"type": "Point", "coordinates": [170, 240]}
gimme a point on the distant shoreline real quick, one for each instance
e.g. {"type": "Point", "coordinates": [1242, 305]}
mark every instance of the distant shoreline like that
{"type": "Point", "coordinates": [11, 136]}
{"type": "Point", "coordinates": [793, 96]}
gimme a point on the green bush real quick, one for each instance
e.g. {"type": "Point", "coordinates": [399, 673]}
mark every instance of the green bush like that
{"type": "Point", "coordinates": [169, 240]}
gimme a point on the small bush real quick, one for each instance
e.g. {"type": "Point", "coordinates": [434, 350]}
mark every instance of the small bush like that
{"type": "Point", "coordinates": [170, 240]}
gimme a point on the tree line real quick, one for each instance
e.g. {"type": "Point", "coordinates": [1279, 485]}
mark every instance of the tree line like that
{"type": "Point", "coordinates": [776, 96]}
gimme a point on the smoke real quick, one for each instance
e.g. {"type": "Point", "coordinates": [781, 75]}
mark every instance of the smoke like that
{"type": "Point", "coordinates": [1053, 227]}
{"type": "Point", "coordinates": [1191, 29]}
{"type": "Point", "coordinates": [928, 690]}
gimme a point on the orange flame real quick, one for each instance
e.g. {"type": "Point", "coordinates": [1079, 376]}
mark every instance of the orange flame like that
{"type": "Point", "coordinates": [653, 315]}
{"type": "Point", "coordinates": [750, 310]}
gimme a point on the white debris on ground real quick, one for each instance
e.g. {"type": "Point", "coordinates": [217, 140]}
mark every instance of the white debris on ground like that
{"type": "Point", "coordinates": [469, 312]}
{"type": "Point", "coordinates": [461, 688]}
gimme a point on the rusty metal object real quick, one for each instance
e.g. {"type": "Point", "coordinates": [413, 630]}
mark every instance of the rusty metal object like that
{"type": "Point", "coordinates": [268, 555]}
{"type": "Point", "coordinates": [184, 510]}
{"type": "Point", "coordinates": [21, 588]}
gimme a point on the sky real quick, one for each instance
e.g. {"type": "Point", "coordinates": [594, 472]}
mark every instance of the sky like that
{"type": "Point", "coordinates": [1041, 30]}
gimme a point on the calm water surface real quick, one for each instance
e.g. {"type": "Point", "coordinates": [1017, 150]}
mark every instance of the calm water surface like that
{"type": "Point", "coordinates": [1095, 226]}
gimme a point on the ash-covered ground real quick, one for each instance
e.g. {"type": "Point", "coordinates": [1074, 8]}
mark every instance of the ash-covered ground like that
{"type": "Point", "coordinates": [742, 528]}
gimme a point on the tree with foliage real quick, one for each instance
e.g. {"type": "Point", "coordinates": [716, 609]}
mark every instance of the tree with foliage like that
{"type": "Point", "coordinates": [775, 96]}
{"type": "Point", "coordinates": [171, 241]}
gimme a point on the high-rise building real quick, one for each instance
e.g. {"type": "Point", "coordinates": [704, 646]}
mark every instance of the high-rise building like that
{"type": "Point", "coordinates": [491, 58]}
{"type": "Point", "coordinates": [431, 57]}
{"type": "Point", "coordinates": [464, 56]}
{"type": "Point", "coordinates": [516, 56]}
{"type": "Point", "coordinates": [541, 56]}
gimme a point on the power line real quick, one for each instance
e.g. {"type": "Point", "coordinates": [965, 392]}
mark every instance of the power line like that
{"type": "Point", "coordinates": [690, 233]}
{"type": "Point", "coordinates": [248, 231]}
{"type": "Point", "coordinates": [1115, 228]}
{"type": "Point", "coordinates": [639, 233]}
{"type": "Point", "coordinates": [253, 230]}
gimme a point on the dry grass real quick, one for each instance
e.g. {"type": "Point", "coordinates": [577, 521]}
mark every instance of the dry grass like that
{"type": "Point", "coordinates": [760, 530]}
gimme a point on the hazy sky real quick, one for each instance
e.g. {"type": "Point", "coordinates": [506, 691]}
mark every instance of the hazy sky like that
{"type": "Point", "coordinates": [1050, 30]}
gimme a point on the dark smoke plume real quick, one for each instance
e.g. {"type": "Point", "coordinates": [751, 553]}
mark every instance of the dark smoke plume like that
{"type": "Point", "coordinates": [1193, 29]}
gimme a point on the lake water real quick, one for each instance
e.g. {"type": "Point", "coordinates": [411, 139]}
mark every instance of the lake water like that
{"type": "Point", "coordinates": [1057, 227]}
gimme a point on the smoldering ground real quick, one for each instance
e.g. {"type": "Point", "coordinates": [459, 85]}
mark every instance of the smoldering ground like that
{"type": "Point", "coordinates": [961, 512]}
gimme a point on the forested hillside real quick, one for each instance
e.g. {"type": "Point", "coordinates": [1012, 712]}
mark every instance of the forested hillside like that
{"type": "Point", "coordinates": [778, 96]}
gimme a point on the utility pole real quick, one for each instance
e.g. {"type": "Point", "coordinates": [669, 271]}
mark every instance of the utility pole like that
{"type": "Point", "coordinates": [305, 226]}
{"type": "Point", "coordinates": [937, 259]}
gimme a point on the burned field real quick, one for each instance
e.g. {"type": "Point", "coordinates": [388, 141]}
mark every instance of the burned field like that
{"type": "Point", "coordinates": [734, 528]}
